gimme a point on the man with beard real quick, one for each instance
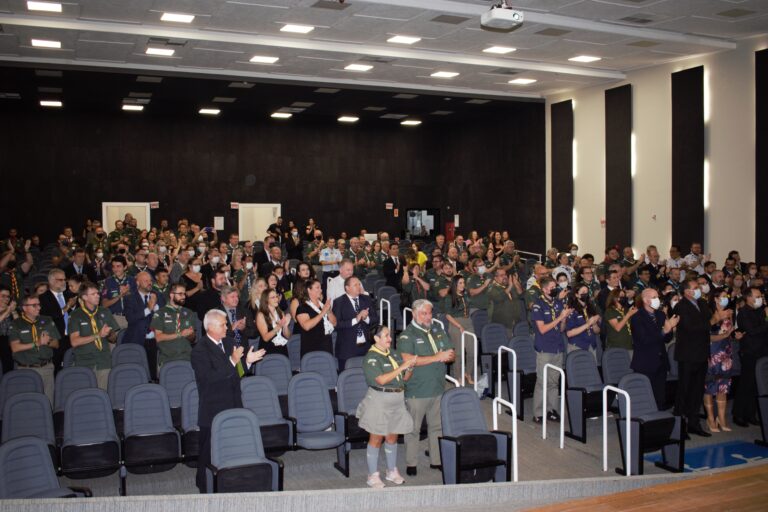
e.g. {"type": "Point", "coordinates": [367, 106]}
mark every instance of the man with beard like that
{"type": "Point", "coordinates": [174, 327]}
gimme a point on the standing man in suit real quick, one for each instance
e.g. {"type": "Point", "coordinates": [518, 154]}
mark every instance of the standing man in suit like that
{"type": "Point", "coordinates": [218, 365]}
{"type": "Point", "coordinates": [79, 268]}
{"type": "Point", "coordinates": [53, 304]}
{"type": "Point", "coordinates": [355, 314]}
{"type": "Point", "coordinates": [754, 345]}
{"type": "Point", "coordinates": [692, 354]}
{"type": "Point", "coordinates": [392, 268]}
{"type": "Point", "coordinates": [211, 297]}
{"type": "Point", "coordinates": [139, 309]}
{"type": "Point", "coordinates": [240, 325]}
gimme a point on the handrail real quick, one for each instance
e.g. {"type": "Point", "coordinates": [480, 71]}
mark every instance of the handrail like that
{"type": "Point", "coordinates": [453, 381]}
{"type": "Point", "coordinates": [442, 325]}
{"type": "Point", "coordinates": [389, 313]}
{"type": "Point", "coordinates": [464, 357]}
{"type": "Point", "coordinates": [628, 419]}
{"type": "Point", "coordinates": [497, 403]}
{"type": "Point", "coordinates": [405, 324]}
{"type": "Point", "coordinates": [562, 403]}
{"type": "Point", "coordinates": [513, 397]}
{"type": "Point", "coordinates": [537, 254]}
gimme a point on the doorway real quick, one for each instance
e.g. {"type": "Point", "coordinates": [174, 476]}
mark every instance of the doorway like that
{"type": "Point", "coordinates": [254, 219]}
{"type": "Point", "coordinates": [111, 212]}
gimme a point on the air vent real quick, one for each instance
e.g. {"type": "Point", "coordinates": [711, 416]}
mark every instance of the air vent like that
{"type": "Point", "coordinates": [375, 109]}
{"type": "Point", "coordinates": [48, 72]}
{"type": "Point", "coordinates": [478, 102]}
{"type": "Point", "coordinates": [241, 85]}
{"type": "Point", "coordinates": [166, 41]}
{"type": "Point", "coordinates": [377, 60]}
{"type": "Point", "coordinates": [502, 71]}
{"type": "Point", "coordinates": [735, 13]}
{"type": "Point", "coordinates": [442, 112]}
{"type": "Point", "coordinates": [149, 79]}
{"type": "Point", "coordinates": [139, 94]}
{"type": "Point", "coordinates": [50, 90]}
{"type": "Point", "coordinates": [644, 44]}
{"type": "Point", "coordinates": [640, 19]}
{"type": "Point", "coordinates": [224, 99]}
{"type": "Point", "coordinates": [393, 116]}
{"type": "Point", "coordinates": [404, 96]}
{"type": "Point", "coordinates": [554, 32]}
{"type": "Point", "coordinates": [10, 96]}
{"type": "Point", "coordinates": [326, 90]}
{"type": "Point", "coordinates": [302, 104]}
{"type": "Point", "coordinates": [292, 110]}
{"type": "Point", "coordinates": [449, 19]}
{"type": "Point", "coordinates": [326, 4]}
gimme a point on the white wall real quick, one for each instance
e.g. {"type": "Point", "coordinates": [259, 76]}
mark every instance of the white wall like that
{"type": "Point", "coordinates": [729, 149]}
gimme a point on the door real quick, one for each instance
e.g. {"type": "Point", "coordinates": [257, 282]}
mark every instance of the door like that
{"type": "Point", "coordinates": [254, 219]}
{"type": "Point", "coordinates": [111, 212]}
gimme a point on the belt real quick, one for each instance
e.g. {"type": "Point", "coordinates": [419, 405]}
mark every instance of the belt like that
{"type": "Point", "coordinates": [387, 390]}
{"type": "Point", "coordinates": [118, 314]}
{"type": "Point", "coordinates": [39, 365]}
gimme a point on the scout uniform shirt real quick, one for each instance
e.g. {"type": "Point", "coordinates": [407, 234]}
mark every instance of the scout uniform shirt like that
{"type": "Point", "coordinates": [95, 355]}
{"type": "Point", "coordinates": [550, 342]}
{"type": "Point", "coordinates": [532, 294]}
{"type": "Point", "coordinates": [170, 320]}
{"type": "Point", "coordinates": [479, 301]}
{"type": "Point", "coordinates": [164, 292]}
{"type": "Point", "coordinates": [507, 259]}
{"type": "Point", "coordinates": [586, 339]}
{"type": "Point", "coordinates": [27, 333]}
{"type": "Point", "coordinates": [504, 308]}
{"type": "Point", "coordinates": [315, 260]}
{"type": "Point", "coordinates": [112, 289]}
{"type": "Point", "coordinates": [378, 363]}
{"type": "Point", "coordinates": [427, 381]}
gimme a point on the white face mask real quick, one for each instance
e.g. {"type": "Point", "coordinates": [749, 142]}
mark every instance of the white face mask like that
{"type": "Point", "coordinates": [723, 302]}
{"type": "Point", "coordinates": [758, 302]}
{"type": "Point", "coordinates": [563, 285]}
{"type": "Point", "coordinates": [295, 233]}
{"type": "Point", "coordinates": [195, 268]}
{"type": "Point", "coordinates": [696, 294]}
{"type": "Point", "coordinates": [574, 252]}
{"type": "Point", "coordinates": [655, 303]}
{"type": "Point", "coordinates": [162, 248]}
{"type": "Point", "coordinates": [215, 260]}
{"type": "Point", "coordinates": [200, 238]}
{"type": "Point", "coordinates": [481, 269]}
{"type": "Point", "coordinates": [673, 303]}
{"type": "Point", "coordinates": [191, 254]}
{"type": "Point", "coordinates": [249, 265]}
{"type": "Point", "coordinates": [704, 289]}
{"type": "Point", "coordinates": [99, 255]}
{"type": "Point", "coordinates": [200, 248]}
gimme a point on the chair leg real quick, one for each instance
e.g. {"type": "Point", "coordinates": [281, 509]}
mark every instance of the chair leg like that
{"type": "Point", "coordinates": [342, 459]}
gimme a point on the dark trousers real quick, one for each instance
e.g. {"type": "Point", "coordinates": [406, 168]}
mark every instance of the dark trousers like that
{"type": "Point", "coordinates": [690, 391]}
{"type": "Point", "coordinates": [659, 385]}
{"type": "Point", "coordinates": [203, 458]}
{"type": "Point", "coordinates": [744, 407]}
{"type": "Point", "coordinates": [6, 356]}
{"type": "Point", "coordinates": [150, 345]}
{"type": "Point", "coordinates": [58, 354]}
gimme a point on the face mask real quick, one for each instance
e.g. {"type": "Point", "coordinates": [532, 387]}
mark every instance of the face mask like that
{"type": "Point", "coordinates": [704, 288]}
{"type": "Point", "coordinates": [249, 265]}
{"type": "Point", "coordinates": [195, 268]}
{"type": "Point", "coordinates": [696, 294]}
{"type": "Point", "coordinates": [551, 292]}
{"type": "Point", "coordinates": [758, 302]}
{"type": "Point", "coordinates": [294, 233]}
{"type": "Point", "coordinates": [574, 252]}
{"type": "Point", "coordinates": [200, 238]}
{"type": "Point", "coordinates": [99, 255]}
{"type": "Point", "coordinates": [215, 260]}
{"type": "Point", "coordinates": [655, 303]}
{"type": "Point", "coordinates": [723, 302]}
{"type": "Point", "coordinates": [563, 285]}
{"type": "Point", "coordinates": [673, 303]}
{"type": "Point", "coordinates": [226, 274]}
{"type": "Point", "coordinates": [145, 246]}
{"type": "Point", "coordinates": [481, 269]}
{"type": "Point", "coordinates": [191, 254]}
{"type": "Point", "coordinates": [201, 249]}
{"type": "Point", "coordinates": [584, 297]}
{"type": "Point", "coordinates": [162, 248]}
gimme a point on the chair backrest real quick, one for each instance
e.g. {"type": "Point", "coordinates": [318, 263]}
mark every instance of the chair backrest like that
{"type": "Point", "coordinates": [492, 337]}
{"type": "Point", "coordinates": [147, 411]}
{"type": "Point", "coordinates": [616, 364]}
{"type": "Point", "coordinates": [354, 362]}
{"type": "Point", "coordinates": [385, 292]}
{"type": "Point", "coordinates": [19, 381]}
{"type": "Point", "coordinates": [581, 369]}
{"type": "Point", "coordinates": [322, 363]}
{"type": "Point", "coordinates": [310, 402]}
{"type": "Point", "coordinates": [69, 380]}
{"type": "Point", "coordinates": [235, 439]}
{"type": "Point", "coordinates": [672, 360]}
{"type": "Point", "coordinates": [88, 418]}
{"type": "Point", "coordinates": [522, 329]}
{"type": "Point", "coordinates": [174, 375]}
{"type": "Point", "coordinates": [526, 353]}
{"type": "Point", "coordinates": [190, 402]}
{"type": "Point", "coordinates": [461, 414]}
{"type": "Point", "coordinates": [479, 321]}
{"type": "Point", "coordinates": [68, 359]}
{"type": "Point", "coordinates": [640, 393]}
{"type": "Point", "coordinates": [260, 396]}
{"type": "Point", "coordinates": [28, 414]}
{"type": "Point", "coordinates": [129, 353]}
{"type": "Point", "coordinates": [294, 351]}
{"type": "Point", "coordinates": [26, 468]}
{"type": "Point", "coordinates": [761, 375]}
{"type": "Point", "coordinates": [351, 388]}
{"type": "Point", "coordinates": [277, 368]}
{"type": "Point", "coordinates": [122, 378]}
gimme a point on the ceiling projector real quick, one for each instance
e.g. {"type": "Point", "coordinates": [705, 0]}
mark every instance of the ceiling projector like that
{"type": "Point", "coordinates": [501, 18]}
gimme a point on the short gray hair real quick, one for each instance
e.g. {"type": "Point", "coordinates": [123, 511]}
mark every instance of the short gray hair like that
{"type": "Point", "coordinates": [226, 290]}
{"type": "Point", "coordinates": [211, 315]}
{"type": "Point", "coordinates": [420, 304]}
{"type": "Point", "coordinates": [53, 273]}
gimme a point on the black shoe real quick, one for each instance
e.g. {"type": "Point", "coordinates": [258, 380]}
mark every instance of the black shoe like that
{"type": "Point", "coordinates": [553, 416]}
{"type": "Point", "coordinates": [754, 421]}
{"type": "Point", "coordinates": [686, 437]}
{"type": "Point", "coordinates": [537, 419]}
{"type": "Point", "coordinates": [436, 466]}
{"type": "Point", "coordinates": [410, 471]}
{"type": "Point", "coordinates": [740, 422]}
{"type": "Point", "coordinates": [699, 431]}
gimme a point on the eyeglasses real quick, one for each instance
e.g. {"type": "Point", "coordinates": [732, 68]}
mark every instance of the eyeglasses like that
{"type": "Point", "coordinates": [35, 305]}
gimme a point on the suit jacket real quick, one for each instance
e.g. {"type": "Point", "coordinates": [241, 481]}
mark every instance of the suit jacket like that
{"type": "Point", "coordinates": [218, 384]}
{"type": "Point", "coordinates": [649, 342]}
{"type": "Point", "coordinates": [692, 339]}
{"type": "Point", "coordinates": [393, 273]}
{"type": "Point", "coordinates": [138, 322]}
{"type": "Point", "coordinates": [752, 322]}
{"type": "Point", "coordinates": [206, 301]}
{"type": "Point", "coordinates": [294, 248]}
{"type": "Point", "coordinates": [88, 272]}
{"type": "Point", "coordinates": [49, 306]}
{"type": "Point", "coordinates": [266, 267]}
{"type": "Point", "coordinates": [248, 332]}
{"type": "Point", "coordinates": [346, 333]}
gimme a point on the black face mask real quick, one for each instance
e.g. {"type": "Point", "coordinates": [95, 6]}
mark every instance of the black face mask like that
{"type": "Point", "coordinates": [584, 297]}
{"type": "Point", "coordinates": [318, 238]}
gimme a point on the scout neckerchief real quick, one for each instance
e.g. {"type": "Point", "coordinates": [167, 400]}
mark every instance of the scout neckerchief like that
{"type": "Point", "coordinates": [429, 337]}
{"type": "Point", "coordinates": [551, 306]}
{"type": "Point", "coordinates": [621, 311]}
{"type": "Point", "coordinates": [388, 355]}
{"type": "Point", "coordinates": [586, 317]}
{"type": "Point", "coordinates": [14, 285]}
{"type": "Point", "coordinates": [33, 329]}
{"type": "Point", "coordinates": [503, 288]}
{"type": "Point", "coordinates": [94, 325]}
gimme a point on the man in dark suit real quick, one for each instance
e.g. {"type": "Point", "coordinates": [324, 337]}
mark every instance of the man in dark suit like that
{"type": "Point", "coordinates": [692, 354]}
{"type": "Point", "coordinates": [392, 268]}
{"type": "Point", "coordinates": [274, 259]}
{"type": "Point", "coordinates": [240, 326]}
{"type": "Point", "coordinates": [54, 304]}
{"type": "Point", "coordinates": [754, 345]}
{"type": "Point", "coordinates": [211, 297]}
{"type": "Point", "coordinates": [355, 314]}
{"type": "Point", "coordinates": [79, 268]}
{"type": "Point", "coordinates": [217, 364]}
{"type": "Point", "coordinates": [139, 309]}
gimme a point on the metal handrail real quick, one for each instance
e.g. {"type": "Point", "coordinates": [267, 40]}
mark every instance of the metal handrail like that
{"type": "Point", "coordinates": [404, 311]}
{"type": "Point", "coordinates": [498, 402]}
{"type": "Point", "coordinates": [513, 397]}
{"type": "Point", "coordinates": [439, 322]}
{"type": "Point", "coordinates": [562, 403]}
{"type": "Point", "coordinates": [464, 358]}
{"type": "Point", "coordinates": [389, 313]}
{"type": "Point", "coordinates": [537, 254]}
{"type": "Point", "coordinates": [628, 419]}
{"type": "Point", "coordinates": [453, 381]}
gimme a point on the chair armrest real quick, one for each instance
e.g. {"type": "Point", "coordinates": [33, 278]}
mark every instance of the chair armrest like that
{"type": "Point", "coordinates": [583, 390]}
{"type": "Point", "coordinates": [295, 431]}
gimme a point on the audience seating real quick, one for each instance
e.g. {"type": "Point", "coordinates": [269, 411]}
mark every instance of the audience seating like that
{"type": "Point", "coordinates": [18, 381]}
{"type": "Point", "coordinates": [672, 375]}
{"type": "Point", "coordinates": [277, 368]}
{"type": "Point", "coordinates": [354, 362]}
{"type": "Point", "coordinates": [29, 415]}
{"type": "Point", "coordinates": [294, 352]}
{"type": "Point", "coordinates": [521, 329]}
{"type": "Point", "coordinates": [190, 431]}
{"type": "Point", "coordinates": [67, 381]}
{"type": "Point", "coordinates": [526, 372]}
{"type": "Point", "coordinates": [469, 452]}
{"type": "Point", "coordinates": [151, 444]}
{"type": "Point", "coordinates": [583, 393]}
{"type": "Point", "coordinates": [122, 378]}
{"type": "Point", "coordinates": [352, 388]}
{"type": "Point", "coordinates": [493, 336]}
{"type": "Point", "coordinates": [68, 359]}
{"type": "Point", "coordinates": [174, 375]}
{"type": "Point", "coordinates": [260, 396]}
{"type": "Point", "coordinates": [325, 365]}
{"type": "Point", "coordinates": [130, 353]}
{"type": "Point", "coordinates": [761, 376]}
{"type": "Point", "coordinates": [616, 364]}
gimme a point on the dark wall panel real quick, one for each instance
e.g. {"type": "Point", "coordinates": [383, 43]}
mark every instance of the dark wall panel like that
{"type": "Point", "coordinates": [618, 166]}
{"type": "Point", "coordinates": [688, 157]}
{"type": "Point", "coordinates": [561, 115]}
{"type": "Point", "coordinates": [761, 156]}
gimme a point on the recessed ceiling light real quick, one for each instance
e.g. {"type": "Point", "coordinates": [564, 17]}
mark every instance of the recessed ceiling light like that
{"type": "Point", "coordinates": [444, 74]}
{"type": "Point", "coordinates": [297, 29]}
{"type": "Point", "coordinates": [281, 115]}
{"type": "Point", "coordinates": [403, 39]}
{"type": "Point", "coordinates": [50, 103]}
{"type": "Point", "coordinates": [358, 67]}
{"type": "Point", "coordinates": [44, 6]}
{"type": "Point", "coordinates": [585, 58]}
{"type": "Point", "coordinates": [133, 108]}
{"type": "Point", "coordinates": [502, 50]}
{"type": "Point", "coordinates": [262, 59]}
{"type": "Point", "coordinates": [162, 52]}
{"type": "Point", "coordinates": [44, 43]}
{"type": "Point", "coordinates": [522, 81]}
{"type": "Point", "coordinates": [209, 111]}
{"type": "Point", "coordinates": [348, 119]}
{"type": "Point", "coordinates": [178, 18]}
{"type": "Point", "coordinates": [410, 122]}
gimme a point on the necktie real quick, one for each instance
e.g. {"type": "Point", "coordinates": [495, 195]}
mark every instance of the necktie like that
{"type": "Point", "coordinates": [146, 300]}
{"type": "Point", "coordinates": [60, 300]}
{"type": "Point", "coordinates": [356, 302]}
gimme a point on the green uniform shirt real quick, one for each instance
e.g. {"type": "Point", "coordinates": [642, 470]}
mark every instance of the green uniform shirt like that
{"type": "Point", "coordinates": [479, 301]}
{"type": "Point", "coordinates": [503, 309]}
{"type": "Point", "coordinates": [170, 320]}
{"type": "Point", "coordinates": [460, 310]}
{"type": "Point", "coordinates": [532, 294]}
{"type": "Point", "coordinates": [114, 236]}
{"type": "Point", "coordinates": [415, 291]}
{"type": "Point", "coordinates": [89, 355]}
{"type": "Point", "coordinates": [508, 259]}
{"type": "Point", "coordinates": [441, 283]}
{"type": "Point", "coordinates": [21, 330]}
{"type": "Point", "coordinates": [622, 338]}
{"type": "Point", "coordinates": [427, 381]}
{"type": "Point", "coordinates": [376, 364]}
{"type": "Point", "coordinates": [548, 263]}
{"type": "Point", "coordinates": [315, 260]}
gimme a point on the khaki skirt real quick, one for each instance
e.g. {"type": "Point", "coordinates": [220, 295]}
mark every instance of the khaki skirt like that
{"type": "Point", "coordinates": [382, 413]}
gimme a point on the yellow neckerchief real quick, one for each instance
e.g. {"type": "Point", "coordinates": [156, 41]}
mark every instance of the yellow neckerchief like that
{"type": "Point", "coordinates": [621, 310]}
{"type": "Point", "coordinates": [586, 317]}
{"type": "Point", "coordinates": [429, 336]}
{"type": "Point", "coordinates": [94, 325]}
{"type": "Point", "coordinates": [14, 285]}
{"type": "Point", "coordinates": [388, 355]}
{"type": "Point", "coordinates": [503, 288]}
{"type": "Point", "coordinates": [551, 306]}
{"type": "Point", "coordinates": [33, 328]}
